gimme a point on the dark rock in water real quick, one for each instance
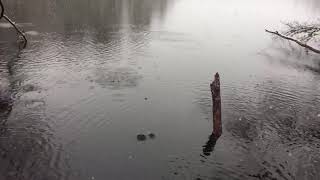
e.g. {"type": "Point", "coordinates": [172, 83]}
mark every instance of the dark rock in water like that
{"type": "Point", "coordinates": [141, 137]}
{"type": "Point", "coordinates": [145, 98]}
{"type": "Point", "coordinates": [6, 103]}
{"type": "Point", "coordinates": [151, 135]}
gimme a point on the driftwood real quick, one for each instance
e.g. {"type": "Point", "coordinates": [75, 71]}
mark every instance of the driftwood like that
{"type": "Point", "coordinates": [2, 15]}
{"type": "Point", "coordinates": [216, 112]}
{"type": "Point", "coordinates": [294, 40]}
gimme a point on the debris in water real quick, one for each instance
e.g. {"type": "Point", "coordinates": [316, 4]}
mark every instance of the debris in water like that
{"type": "Point", "coordinates": [270, 107]}
{"type": "Point", "coordinates": [240, 119]}
{"type": "Point", "coordinates": [290, 154]}
{"type": "Point", "coordinates": [145, 98]}
{"type": "Point", "coordinates": [141, 137]}
{"type": "Point", "coordinates": [318, 115]}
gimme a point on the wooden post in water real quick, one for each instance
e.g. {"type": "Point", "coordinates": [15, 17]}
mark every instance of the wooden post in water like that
{"type": "Point", "coordinates": [216, 106]}
{"type": "Point", "coordinates": [216, 112]}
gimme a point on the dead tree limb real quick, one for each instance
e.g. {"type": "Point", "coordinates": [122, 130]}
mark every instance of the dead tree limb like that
{"type": "Point", "coordinates": [2, 15]}
{"type": "Point", "coordinates": [2, 9]}
{"type": "Point", "coordinates": [216, 106]}
{"type": "Point", "coordinates": [304, 31]}
{"type": "Point", "coordinates": [216, 112]}
{"type": "Point", "coordinates": [294, 40]}
{"type": "Point", "coordinates": [17, 29]}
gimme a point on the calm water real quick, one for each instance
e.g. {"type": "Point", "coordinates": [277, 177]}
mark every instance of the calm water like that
{"type": "Point", "coordinates": [98, 72]}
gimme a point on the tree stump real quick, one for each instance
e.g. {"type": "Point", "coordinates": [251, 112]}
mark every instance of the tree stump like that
{"type": "Point", "coordinates": [216, 106]}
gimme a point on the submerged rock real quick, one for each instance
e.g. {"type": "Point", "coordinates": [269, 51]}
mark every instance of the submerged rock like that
{"type": "Point", "coordinates": [6, 102]}
{"type": "Point", "coordinates": [141, 137]}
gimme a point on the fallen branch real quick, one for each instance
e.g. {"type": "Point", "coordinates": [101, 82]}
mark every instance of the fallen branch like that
{"type": "Point", "coordinates": [294, 40]}
{"type": "Point", "coordinates": [2, 15]}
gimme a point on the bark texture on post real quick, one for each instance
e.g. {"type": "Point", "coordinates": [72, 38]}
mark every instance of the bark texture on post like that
{"type": "Point", "coordinates": [216, 106]}
{"type": "Point", "coordinates": [216, 111]}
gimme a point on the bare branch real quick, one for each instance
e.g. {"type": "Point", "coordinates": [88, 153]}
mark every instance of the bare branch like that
{"type": "Point", "coordinates": [17, 29]}
{"type": "Point", "coordinates": [294, 40]}
{"type": "Point", "coordinates": [2, 9]}
{"type": "Point", "coordinates": [303, 31]}
{"type": "Point", "coordinates": [2, 15]}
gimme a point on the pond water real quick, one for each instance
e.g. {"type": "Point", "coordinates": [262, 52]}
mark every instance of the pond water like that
{"type": "Point", "coordinates": [95, 74]}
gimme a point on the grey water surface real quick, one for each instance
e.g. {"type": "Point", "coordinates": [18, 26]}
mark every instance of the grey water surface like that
{"type": "Point", "coordinates": [97, 73]}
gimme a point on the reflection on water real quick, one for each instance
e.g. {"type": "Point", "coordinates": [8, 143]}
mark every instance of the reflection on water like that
{"type": "Point", "coordinates": [209, 146]}
{"type": "Point", "coordinates": [97, 73]}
